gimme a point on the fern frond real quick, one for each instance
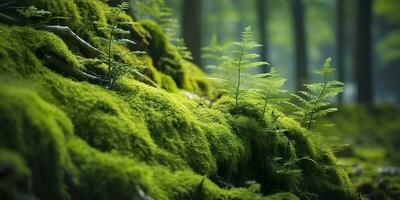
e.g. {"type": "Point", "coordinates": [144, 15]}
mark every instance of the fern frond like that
{"type": "Point", "coordinates": [232, 67]}
{"type": "Point", "coordinates": [314, 101]}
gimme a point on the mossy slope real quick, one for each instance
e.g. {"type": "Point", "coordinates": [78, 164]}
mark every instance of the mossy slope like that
{"type": "Point", "coordinates": [76, 140]}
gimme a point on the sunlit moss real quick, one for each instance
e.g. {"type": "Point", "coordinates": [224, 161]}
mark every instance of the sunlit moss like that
{"type": "Point", "coordinates": [78, 138]}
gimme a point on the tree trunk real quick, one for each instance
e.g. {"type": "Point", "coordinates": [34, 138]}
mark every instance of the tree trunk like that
{"type": "Point", "coordinates": [300, 43]}
{"type": "Point", "coordinates": [262, 20]}
{"type": "Point", "coordinates": [191, 27]}
{"type": "Point", "coordinates": [363, 53]}
{"type": "Point", "coordinates": [340, 43]}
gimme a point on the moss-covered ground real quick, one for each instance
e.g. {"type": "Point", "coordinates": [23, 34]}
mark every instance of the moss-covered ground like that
{"type": "Point", "coordinates": [371, 153]}
{"type": "Point", "coordinates": [61, 138]}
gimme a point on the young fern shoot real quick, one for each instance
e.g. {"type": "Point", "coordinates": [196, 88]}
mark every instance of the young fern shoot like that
{"type": "Point", "coordinates": [214, 51]}
{"type": "Point", "coordinates": [232, 72]}
{"type": "Point", "coordinates": [268, 89]}
{"type": "Point", "coordinates": [314, 100]}
{"type": "Point", "coordinates": [115, 69]}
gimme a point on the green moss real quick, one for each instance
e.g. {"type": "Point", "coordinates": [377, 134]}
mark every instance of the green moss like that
{"type": "Point", "coordinates": [15, 177]}
{"type": "Point", "coordinates": [283, 196]}
{"type": "Point", "coordinates": [167, 59]}
{"type": "Point", "coordinates": [263, 145]}
{"type": "Point", "coordinates": [168, 84]}
{"type": "Point", "coordinates": [226, 147]}
{"type": "Point", "coordinates": [170, 123]}
{"type": "Point", "coordinates": [37, 131]}
{"type": "Point", "coordinates": [96, 143]}
{"type": "Point", "coordinates": [105, 175]}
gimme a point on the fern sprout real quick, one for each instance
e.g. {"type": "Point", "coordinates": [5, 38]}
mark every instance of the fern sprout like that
{"type": "Point", "coordinates": [115, 69]}
{"type": "Point", "coordinates": [314, 101]}
{"type": "Point", "coordinates": [232, 72]}
{"type": "Point", "coordinates": [214, 52]}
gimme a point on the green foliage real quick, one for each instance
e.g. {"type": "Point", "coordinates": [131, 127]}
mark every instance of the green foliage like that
{"type": "Point", "coordinates": [138, 141]}
{"type": "Point", "coordinates": [183, 50]}
{"type": "Point", "coordinates": [116, 68]}
{"type": "Point", "coordinates": [314, 100]}
{"type": "Point", "coordinates": [286, 171]}
{"type": "Point", "coordinates": [38, 16]}
{"type": "Point", "coordinates": [33, 12]}
{"type": "Point", "coordinates": [231, 72]}
{"type": "Point", "coordinates": [268, 88]}
{"type": "Point", "coordinates": [214, 52]}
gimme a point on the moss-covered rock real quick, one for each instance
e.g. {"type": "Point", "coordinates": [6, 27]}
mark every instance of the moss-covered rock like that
{"type": "Point", "coordinates": [15, 179]}
{"type": "Point", "coordinates": [167, 59]}
{"type": "Point", "coordinates": [72, 139]}
{"type": "Point", "coordinates": [36, 131]}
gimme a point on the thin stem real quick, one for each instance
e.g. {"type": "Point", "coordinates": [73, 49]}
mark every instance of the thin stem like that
{"type": "Point", "coordinates": [113, 27]}
{"type": "Point", "coordinates": [265, 102]}
{"type": "Point", "coordinates": [264, 109]}
{"type": "Point", "coordinates": [317, 101]}
{"type": "Point", "coordinates": [8, 3]}
{"type": "Point", "coordinates": [239, 76]}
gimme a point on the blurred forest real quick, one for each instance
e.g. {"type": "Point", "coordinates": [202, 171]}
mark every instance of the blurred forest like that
{"type": "Point", "coordinates": [298, 34]}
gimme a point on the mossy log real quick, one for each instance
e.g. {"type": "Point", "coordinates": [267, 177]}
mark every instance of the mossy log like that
{"type": "Point", "coordinates": [72, 39]}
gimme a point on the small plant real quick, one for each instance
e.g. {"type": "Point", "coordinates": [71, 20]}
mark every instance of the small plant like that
{"type": "Point", "coordinates": [287, 170]}
{"type": "Point", "coordinates": [116, 69]}
{"type": "Point", "coordinates": [268, 89]}
{"type": "Point", "coordinates": [232, 71]}
{"type": "Point", "coordinates": [314, 101]}
{"type": "Point", "coordinates": [214, 52]}
{"type": "Point", "coordinates": [30, 13]}
{"type": "Point", "coordinates": [183, 50]}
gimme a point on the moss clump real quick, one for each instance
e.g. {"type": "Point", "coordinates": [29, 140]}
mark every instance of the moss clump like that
{"type": "Point", "coordinates": [108, 175]}
{"type": "Point", "coordinates": [267, 150]}
{"type": "Point", "coordinates": [79, 16]}
{"type": "Point", "coordinates": [18, 50]}
{"type": "Point", "coordinates": [167, 59]}
{"type": "Point", "coordinates": [227, 148]}
{"type": "Point", "coordinates": [37, 131]}
{"type": "Point", "coordinates": [15, 179]}
{"type": "Point", "coordinates": [82, 140]}
{"type": "Point", "coordinates": [168, 84]}
{"type": "Point", "coordinates": [171, 124]}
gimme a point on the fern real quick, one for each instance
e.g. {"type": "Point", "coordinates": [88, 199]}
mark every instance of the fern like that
{"type": "Point", "coordinates": [183, 50]}
{"type": "Point", "coordinates": [33, 12]}
{"type": "Point", "coordinates": [314, 101]}
{"type": "Point", "coordinates": [232, 72]}
{"type": "Point", "coordinates": [286, 170]}
{"type": "Point", "coordinates": [268, 89]}
{"type": "Point", "coordinates": [214, 52]}
{"type": "Point", "coordinates": [116, 69]}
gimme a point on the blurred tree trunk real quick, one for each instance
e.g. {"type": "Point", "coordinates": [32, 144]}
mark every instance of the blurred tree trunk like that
{"type": "Point", "coordinates": [300, 42]}
{"type": "Point", "coordinates": [340, 43]}
{"type": "Point", "coordinates": [262, 22]}
{"type": "Point", "coordinates": [363, 53]}
{"type": "Point", "coordinates": [191, 27]}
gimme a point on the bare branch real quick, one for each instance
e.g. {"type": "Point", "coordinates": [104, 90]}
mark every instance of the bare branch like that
{"type": "Point", "coordinates": [70, 37]}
